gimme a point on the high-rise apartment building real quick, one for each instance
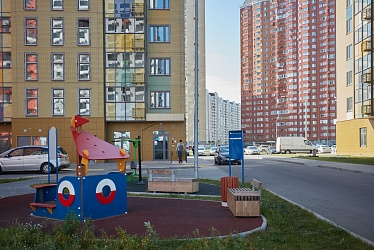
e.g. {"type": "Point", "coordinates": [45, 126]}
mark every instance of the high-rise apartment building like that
{"type": "Point", "coordinates": [222, 116]}
{"type": "Point", "coordinates": [355, 131]}
{"type": "Point", "coordinates": [118, 63]}
{"type": "Point", "coordinates": [288, 69]}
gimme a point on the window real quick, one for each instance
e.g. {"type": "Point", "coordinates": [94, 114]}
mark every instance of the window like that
{"type": "Point", "coordinates": [349, 52]}
{"type": "Point", "coordinates": [349, 25]}
{"type": "Point", "coordinates": [122, 140]}
{"type": "Point", "coordinates": [31, 102]}
{"type": "Point", "coordinates": [29, 4]}
{"type": "Point", "coordinates": [125, 94]}
{"type": "Point", "coordinates": [30, 32]}
{"type": "Point", "coordinates": [83, 4]}
{"type": "Point", "coordinates": [57, 4]}
{"type": "Point", "coordinates": [115, 25]}
{"type": "Point", "coordinates": [160, 99]}
{"type": "Point", "coordinates": [58, 66]}
{"type": "Point", "coordinates": [57, 31]}
{"type": "Point", "coordinates": [31, 66]}
{"type": "Point", "coordinates": [349, 104]}
{"type": "Point", "coordinates": [160, 66]}
{"type": "Point", "coordinates": [5, 95]}
{"type": "Point", "coordinates": [115, 60]}
{"type": "Point", "coordinates": [159, 33]}
{"type": "Point", "coordinates": [363, 137]}
{"type": "Point", "coordinates": [83, 32]}
{"type": "Point", "coordinates": [5, 25]}
{"type": "Point", "coordinates": [5, 60]}
{"type": "Point", "coordinates": [58, 96]}
{"type": "Point", "coordinates": [84, 101]}
{"type": "Point", "coordinates": [349, 78]}
{"type": "Point", "coordinates": [159, 4]}
{"type": "Point", "coordinates": [84, 67]}
{"type": "Point", "coordinates": [39, 140]}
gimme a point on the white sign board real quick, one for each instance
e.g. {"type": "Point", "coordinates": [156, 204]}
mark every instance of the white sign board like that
{"type": "Point", "coordinates": [52, 145]}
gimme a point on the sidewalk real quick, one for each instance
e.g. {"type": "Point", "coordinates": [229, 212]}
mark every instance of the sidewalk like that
{"type": "Point", "coordinates": [206, 170]}
{"type": "Point", "coordinates": [314, 162]}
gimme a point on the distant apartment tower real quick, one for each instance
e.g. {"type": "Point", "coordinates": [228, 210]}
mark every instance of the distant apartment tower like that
{"type": "Point", "coordinates": [288, 69]}
{"type": "Point", "coordinates": [222, 116]}
{"type": "Point", "coordinates": [355, 133]}
{"type": "Point", "coordinates": [190, 72]}
{"type": "Point", "coordinates": [118, 63]}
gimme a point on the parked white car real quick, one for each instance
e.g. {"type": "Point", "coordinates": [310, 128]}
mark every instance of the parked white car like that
{"type": "Point", "coordinates": [252, 150]}
{"type": "Point", "coordinates": [321, 149]}
{"type": "Point", "coordinates": [201, 150]}
{"type": "Point", "coordinates": [31, 158]}
{"type": "Point", "coordinates": [212, 150]}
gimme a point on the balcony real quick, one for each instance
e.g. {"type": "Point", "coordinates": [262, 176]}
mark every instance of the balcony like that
{"type": "Point", "coordinates": [366, 14]}
{"type": "Point", "coordinates": [138, 113]}
{"type": "Point", "coordinates": [366, 78]}
{"type": "Point", "coordinates": [137, 78]}
{"type": "Point", "coordinates": [366, 109]}
{"type": "Point", "coordinates": [366, 46]}
{"type": "Point", "coordinates": [137, 9]}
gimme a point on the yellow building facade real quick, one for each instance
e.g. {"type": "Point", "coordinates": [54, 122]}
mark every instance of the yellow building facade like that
{"type": "Point", "coordinates": [119, 64]}
{"type": "Point", "coordinates": [355, 117]}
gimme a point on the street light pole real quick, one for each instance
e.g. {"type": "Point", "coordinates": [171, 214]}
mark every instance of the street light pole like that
{"type": "Point", "coordinates": [196, 108]}
{"type": "Point", "coordinates": [327, 131]}
{"type": "Point", "coordinates": [305, 120]}
{"type": "Point", "coordinates": [276, 127]}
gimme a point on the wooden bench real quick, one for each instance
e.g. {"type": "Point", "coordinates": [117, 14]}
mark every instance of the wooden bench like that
{"type": "Point", "coordinates": [165, 180]}
{"type": "Point", "coordinates": [45, 197]}
{"type": "Point", "coordinates": [245, 201]}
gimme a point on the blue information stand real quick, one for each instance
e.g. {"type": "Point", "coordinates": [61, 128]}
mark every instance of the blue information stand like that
{"type": "Point", "coordinates": [236, 145]}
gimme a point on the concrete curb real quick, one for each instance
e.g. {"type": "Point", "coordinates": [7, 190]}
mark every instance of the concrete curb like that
{"type": "Point", "coordinates": [325, 219]}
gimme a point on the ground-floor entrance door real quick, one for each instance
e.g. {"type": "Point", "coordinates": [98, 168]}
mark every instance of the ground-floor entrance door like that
{"type": "Point", "coordinates": [161, 145]}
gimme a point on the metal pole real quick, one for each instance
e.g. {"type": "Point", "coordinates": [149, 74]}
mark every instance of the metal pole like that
{"type": "Point", "coordinates": [305, 132]}
{"type": "Point", "coordinates": [276, 127]}
{"type": "Point", "coordinates": [140, 180]}
{"type": "Point", "coordinates": [196, 111]}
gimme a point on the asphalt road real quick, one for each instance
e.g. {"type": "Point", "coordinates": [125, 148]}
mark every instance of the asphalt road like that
{"type": "Point", "coordinates": [343, 197]}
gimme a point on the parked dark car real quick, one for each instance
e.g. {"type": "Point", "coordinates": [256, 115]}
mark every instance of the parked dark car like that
{"type": "Point", "coordinates": [221, 156]}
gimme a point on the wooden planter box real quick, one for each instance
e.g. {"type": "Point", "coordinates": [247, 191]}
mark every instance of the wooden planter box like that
{"type": "Point", "coordinates": [170, 183]}
{"type": "Point", "coordinates": [244, 201]}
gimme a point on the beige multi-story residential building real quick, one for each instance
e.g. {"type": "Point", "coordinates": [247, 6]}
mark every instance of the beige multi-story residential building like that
{"type": "Point", "coordinates": [190, 72]}
{"type": "Point", "coordinates": [355, 92]}
{"type": "Point", "coordinates": [118, 63]}
{"type": "Point", "coordinates": [288, 69]}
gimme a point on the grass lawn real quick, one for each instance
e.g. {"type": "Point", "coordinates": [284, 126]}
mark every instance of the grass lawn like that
{"type": "Point", "coordinates": [13, 180]}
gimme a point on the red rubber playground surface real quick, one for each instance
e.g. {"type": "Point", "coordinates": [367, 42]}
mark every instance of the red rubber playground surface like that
{"type": "Point", "coordinates": [168, 217]}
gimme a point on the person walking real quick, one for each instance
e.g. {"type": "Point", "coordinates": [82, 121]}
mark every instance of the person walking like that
{"type": "Point", "coordinates": [180, 148]}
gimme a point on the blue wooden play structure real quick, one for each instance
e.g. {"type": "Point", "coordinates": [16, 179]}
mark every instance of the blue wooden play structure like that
{"type": "Point", "coordinates": [95, 196]}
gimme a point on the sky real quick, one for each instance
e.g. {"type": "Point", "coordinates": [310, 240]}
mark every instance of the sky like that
{"type": "Point", "coordinates": [222, 48]}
